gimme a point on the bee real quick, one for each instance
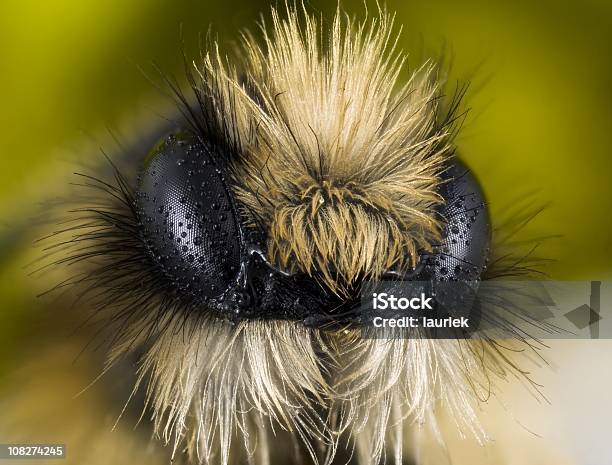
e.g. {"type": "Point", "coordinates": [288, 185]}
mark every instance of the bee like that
{"type": "Point", "coordinates": [230, 262]}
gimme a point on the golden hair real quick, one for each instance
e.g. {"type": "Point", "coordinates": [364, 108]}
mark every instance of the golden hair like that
{"type": "Point", "coordinates": [337, 159]}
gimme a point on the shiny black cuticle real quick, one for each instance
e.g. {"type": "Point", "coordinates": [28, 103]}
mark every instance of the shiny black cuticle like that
{"type": "Point", "coordinates": [463, 252]}
{"type": "Point", "coordinates": [186, 217]}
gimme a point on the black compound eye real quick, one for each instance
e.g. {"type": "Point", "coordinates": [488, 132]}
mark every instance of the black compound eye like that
{"type": "Point", "coordinates": [464, 250]}
{"type": "Point", "coordinates": [187, 217]}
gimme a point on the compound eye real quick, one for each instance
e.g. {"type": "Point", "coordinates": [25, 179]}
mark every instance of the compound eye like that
{"type": "Point", "coordinates": [187, 219]}
{"type": "Point", "coordinates": [463, 253]}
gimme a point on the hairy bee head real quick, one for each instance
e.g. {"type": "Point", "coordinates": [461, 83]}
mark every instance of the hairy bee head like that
{"type": "Point", "coordinates": [301, 171]}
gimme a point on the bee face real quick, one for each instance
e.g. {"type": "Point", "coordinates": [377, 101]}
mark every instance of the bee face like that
{"type": "Point", "coordinates": [293, 180]}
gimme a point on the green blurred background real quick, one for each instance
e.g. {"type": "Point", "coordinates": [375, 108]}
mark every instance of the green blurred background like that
{"type": "Point", "coordinates": [540, 124]}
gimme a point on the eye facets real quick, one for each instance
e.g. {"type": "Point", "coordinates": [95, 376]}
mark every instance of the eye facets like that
{"type": "Point", "coordinates": [463, 252]}
{"type": "Point", "coordinates": [186, 218]}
